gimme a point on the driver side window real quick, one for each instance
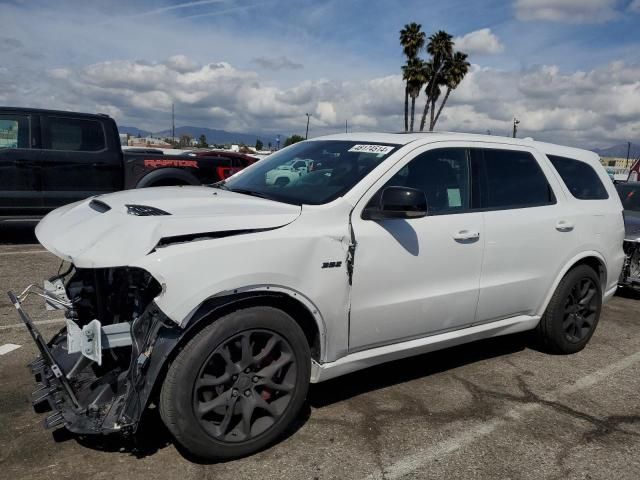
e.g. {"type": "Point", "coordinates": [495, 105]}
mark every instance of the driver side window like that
{"type": "Point", "coordinates": [442, 174]}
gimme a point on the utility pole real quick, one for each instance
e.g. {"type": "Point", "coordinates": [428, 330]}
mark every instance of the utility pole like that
{"type": "Point", "coordinates": [173, 124]}
{"type": "Point", "coordinates": [308, 117]}
{"type": "Point", "coordinates": [516, 122]}
{"type": "Point", "coordinates": [346, 126]}
{"type": "Point", "coordinates": [626, 164]}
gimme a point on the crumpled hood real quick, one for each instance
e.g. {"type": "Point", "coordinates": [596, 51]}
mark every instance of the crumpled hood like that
{"type": "Point", "coordinates": [91, 238]}
{"type": "Point", "coordinates": [632, 225]}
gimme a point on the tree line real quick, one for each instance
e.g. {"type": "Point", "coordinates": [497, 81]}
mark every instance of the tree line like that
{"type": "Point", "coordinates": [443, 69]}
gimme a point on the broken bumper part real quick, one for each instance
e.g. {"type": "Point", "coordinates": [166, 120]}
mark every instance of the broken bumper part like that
{"type": "Point", "coordinates": [95, 379]}
{"type": "Point", "coordinates": [45, 366]}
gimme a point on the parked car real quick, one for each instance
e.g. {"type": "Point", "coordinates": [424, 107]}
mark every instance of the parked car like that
{"type": "Point", "coordinates": [51, 158]}
{"type": "Point", "coordinates": [232, 163]}
{"type": "Point", "coordinates": [630, 197]}
{"type": "Point", "coordinates": [223, 304]}
{"type": "Point", "coordinates": [289, 173]}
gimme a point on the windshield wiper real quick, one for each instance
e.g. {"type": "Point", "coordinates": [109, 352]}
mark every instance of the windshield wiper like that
{"type": "Point", "coordinates": [246, 191]}
{"type": "Point", "coordinates": [221, 185]}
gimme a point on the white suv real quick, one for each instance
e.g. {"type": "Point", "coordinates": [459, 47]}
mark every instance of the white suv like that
{"type": "Point", "coordinates": [222, 304]}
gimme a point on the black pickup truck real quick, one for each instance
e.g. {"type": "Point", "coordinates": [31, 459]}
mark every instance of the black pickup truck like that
{"type": "Point", "coordinates": [50, 158]}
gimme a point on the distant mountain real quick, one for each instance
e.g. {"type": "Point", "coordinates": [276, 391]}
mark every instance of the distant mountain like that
{"type": "Point", "coordinates": [133, 131]}
{"type": "Point", "coordinates": [215, 136]}
{"type": "Point", "coordinates": [619, 151]}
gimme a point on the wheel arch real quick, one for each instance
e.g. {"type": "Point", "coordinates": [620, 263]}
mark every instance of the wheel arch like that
{"type": "Point", "coordinates": [215, 307]}
{"type": "Point", "coordinates": [591, 258]}
{"type": "Point", "coordinates": [162, 174]}
{"type": "Point", "coordinates": [299, 307]}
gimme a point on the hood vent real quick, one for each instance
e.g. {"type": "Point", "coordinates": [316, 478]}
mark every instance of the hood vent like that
{"type": "Point", "coordinates": [99, 206]}
{"type": "Point", "coordinates": [145, 211]}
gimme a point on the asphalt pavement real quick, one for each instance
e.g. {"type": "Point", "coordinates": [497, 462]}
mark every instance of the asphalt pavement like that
{"type": "Point", "coordinates": [495, 409]}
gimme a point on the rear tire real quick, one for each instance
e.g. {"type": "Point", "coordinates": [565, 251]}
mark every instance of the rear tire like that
{"type": "Point", "coordinates": [238, 385]}
{"type": "Point", "coordinates": [573, 312]}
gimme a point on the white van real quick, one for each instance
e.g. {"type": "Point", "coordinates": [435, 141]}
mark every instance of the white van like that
{"type": "Point", "coordinates": [222, 304]}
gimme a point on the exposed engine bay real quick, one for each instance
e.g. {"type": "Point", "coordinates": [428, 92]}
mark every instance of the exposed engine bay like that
{"type": "Point", "coordinates": [631, 271]}
{"type": "Point", "coordinates": [96, 374]}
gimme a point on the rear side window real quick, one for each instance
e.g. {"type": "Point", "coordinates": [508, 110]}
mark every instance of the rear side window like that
{"type": "Point", "coordinates": [512, 179]}
{"type": "Point", "coordinates": [14, 131]}
{"type": "Point", "coordinates": [580, 178]}
{"type": "Point", "coordinates": [73, 134]}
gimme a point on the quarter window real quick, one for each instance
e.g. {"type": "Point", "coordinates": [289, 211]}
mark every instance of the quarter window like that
{"type": "Point", "coordinates": [14, 131]}
{"type": "Point", "coordinates": [73, 134]}
{"type": "Point", "coordinates": [580, 178]}
{"type": "Point", "coordinates": [513, 179]}
{"type": "Point", "coordinates": [442, 174]}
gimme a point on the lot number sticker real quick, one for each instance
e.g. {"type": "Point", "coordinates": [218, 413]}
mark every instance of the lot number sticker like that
{"type": "Point", "coordinates": [381, 149]}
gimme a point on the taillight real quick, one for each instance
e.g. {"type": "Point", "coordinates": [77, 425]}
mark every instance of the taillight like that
{"type": "Point", "coordinates": [226, 172]}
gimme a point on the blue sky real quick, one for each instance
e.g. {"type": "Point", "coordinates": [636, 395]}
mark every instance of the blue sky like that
{"type": "Point", "coordinates": [569, 68]}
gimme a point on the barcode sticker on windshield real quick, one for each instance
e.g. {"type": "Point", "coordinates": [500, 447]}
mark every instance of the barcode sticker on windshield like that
{"type": "Point", "coordinates": [381, 149]}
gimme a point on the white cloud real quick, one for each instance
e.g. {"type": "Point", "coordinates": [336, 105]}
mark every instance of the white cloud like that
{"type": "Point", "coordinates": [277, 63]}
{"type": "Point", "coordinates": [585, 108]}
{"type": "Point", "coordinates": [570, 11]}
{"type": "Point", "coordinates": [182, 64]}
{"type": "Point", "coordinates": [635, 6]}
{"type": "Point", "coordinates": [326, 113]}
{"type": "Point", "coordinates": [482, 41]}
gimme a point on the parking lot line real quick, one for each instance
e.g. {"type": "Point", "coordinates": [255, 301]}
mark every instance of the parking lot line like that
{"type": "Point", "coordinates": [423, 457]}
{"type": "Point", "coordinates": [23, 252]}
{"type": "Point", "coordinates": [40, 322]}
{"type": "Point", "coordinates": [8, 347]}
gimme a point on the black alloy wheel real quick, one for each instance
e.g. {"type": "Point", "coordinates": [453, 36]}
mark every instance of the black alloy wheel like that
{"type": "Point", "coordinates": [245, 385]}
{"type": "Point", "coordinates": [238, 384]}
{"type": "Point", "coordinates": [580, 310]}
{"type": "Point", "coordinates": [572, 315]}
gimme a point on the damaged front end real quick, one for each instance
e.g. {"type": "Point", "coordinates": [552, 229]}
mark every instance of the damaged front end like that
{"type": "Point", "coordinates": [630, 275]}
{"type": "Point", "coordinates": [97, 374]}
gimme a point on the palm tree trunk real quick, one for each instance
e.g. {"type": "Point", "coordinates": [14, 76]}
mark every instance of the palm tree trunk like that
{"type": "Point", "coordinates": [413, 111]}
{"type": "Point", "coordinates": [444, 100]}
{"type": "Point", "coordinates": [406, 107]}
{"type": "Point", "coordinates": [429, 90]}
{"type": "Point", "coordinates": [433, 110]}
{"type": "Point", "coordinates": [424, 115]}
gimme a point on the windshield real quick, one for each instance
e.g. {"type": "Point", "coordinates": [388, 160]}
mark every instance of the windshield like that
{"type": "Point", "coordinates": [630, 196]}
{"type": "Point", "coordinates": [313, 173]}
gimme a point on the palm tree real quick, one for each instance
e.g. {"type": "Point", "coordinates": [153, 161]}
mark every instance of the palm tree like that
{"type": "Point", "coordinates": [412, 39]}
{"type": "Point", "coordinates": [415, 75]}
{"type": "Point", "coordinates": [440, 47]}
{"type": "Point", "coordinates": [456, 69]}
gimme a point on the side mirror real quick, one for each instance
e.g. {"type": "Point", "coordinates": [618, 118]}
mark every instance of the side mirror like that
{"type": "Point", "coordinates": [399, 202]}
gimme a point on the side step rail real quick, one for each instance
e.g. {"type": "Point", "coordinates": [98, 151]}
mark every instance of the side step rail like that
{"type": "Point", "coordinates": [44, 349]}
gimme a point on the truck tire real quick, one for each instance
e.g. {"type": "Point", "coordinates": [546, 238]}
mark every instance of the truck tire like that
{"type": "Point", "coordinates": [573, 312]}
{"type": "Point", "coordinates": [238, 384]}
{"type": "Point", "coordinates": [163, 177]}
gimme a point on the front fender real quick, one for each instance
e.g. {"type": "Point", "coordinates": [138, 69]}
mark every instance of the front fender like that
{"type": "Point", "coordinates": [279, 260]}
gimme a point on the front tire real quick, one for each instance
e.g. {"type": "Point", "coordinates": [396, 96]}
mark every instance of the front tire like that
{"type": "Point", "coordinates": [238, 384]}
{"type": "Point", "coordinates": [573, 312]}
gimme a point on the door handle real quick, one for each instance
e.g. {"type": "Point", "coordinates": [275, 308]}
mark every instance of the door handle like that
{"type": "Point", "coordinates": [564, 226]}
{"type": "Point", "coordinates": [467, 235]}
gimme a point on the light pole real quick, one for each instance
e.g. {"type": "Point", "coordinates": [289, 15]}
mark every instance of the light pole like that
{"type": "Point", "coordinates": [306, 136]}
{"type": "Point", "coordinates": [516, 122]}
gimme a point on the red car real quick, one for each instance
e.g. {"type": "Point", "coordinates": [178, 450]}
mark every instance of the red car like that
{"type": "Point", "coordinates": [235, 161]}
